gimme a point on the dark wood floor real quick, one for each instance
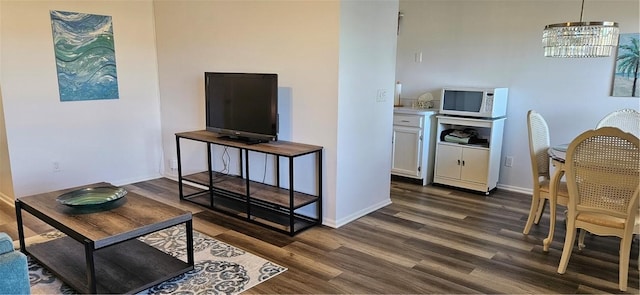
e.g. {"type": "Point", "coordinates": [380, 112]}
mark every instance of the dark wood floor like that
{"type": "Point", "coordinates": [430, 240]}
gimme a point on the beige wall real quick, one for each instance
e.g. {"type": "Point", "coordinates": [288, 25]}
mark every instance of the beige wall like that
{"type": "Point", "coordinates": [298, 40]}
{"type": "Point", "coordinates": [126, 140]}
{"type": "Point", "coordinates": [304, 43]}
{"type": "Point", "coordinates": [6, 183]}
{"type": "Point", "coordinates": [115, 141]}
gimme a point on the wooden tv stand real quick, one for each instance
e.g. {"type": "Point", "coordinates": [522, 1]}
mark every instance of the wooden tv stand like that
{"type": "Point", "coordinates": [236, 195]}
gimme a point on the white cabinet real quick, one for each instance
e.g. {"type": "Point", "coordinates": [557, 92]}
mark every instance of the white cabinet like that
{"type": "Point", "coordinates": [407, 152]}
{"type": "Point", "coordinates": [413, 144]}
{"type": "Point", "coordinates": [474, 166]}
{"type": "Point", "coordinates": [459, 163]}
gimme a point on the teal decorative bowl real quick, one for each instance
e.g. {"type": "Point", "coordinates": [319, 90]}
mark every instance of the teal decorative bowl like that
{"type": "Point", "coordinates": [92, 196]}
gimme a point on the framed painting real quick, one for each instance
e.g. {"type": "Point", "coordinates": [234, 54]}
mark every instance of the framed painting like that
{"type": "Point", "coordinates": [85, 56]}
{"type": "Point", "coordinates": [625, 76]}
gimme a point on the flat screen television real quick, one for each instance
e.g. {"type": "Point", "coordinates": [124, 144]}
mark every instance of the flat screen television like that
{"type": "Point", "coordinates": [242, 106]}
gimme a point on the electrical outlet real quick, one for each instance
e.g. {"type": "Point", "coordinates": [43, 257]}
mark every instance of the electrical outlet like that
{"type": "Point", "coordinates": [55, 165]}
{"type": "Point", "coordinates": [508, 161]}
{"type": "Point", "coordinates": [173, 164]}
{"type": "Point", "coordinates": [418, 57]}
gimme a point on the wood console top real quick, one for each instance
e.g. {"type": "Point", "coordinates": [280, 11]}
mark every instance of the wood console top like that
{"type": "Point", "coordinates": [280, 147]}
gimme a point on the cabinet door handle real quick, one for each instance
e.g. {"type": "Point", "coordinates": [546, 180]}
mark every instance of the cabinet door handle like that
{"type": "Point", "coordinates": [462, 162]}
{"type": "Point", "coordinates": [458, 162]}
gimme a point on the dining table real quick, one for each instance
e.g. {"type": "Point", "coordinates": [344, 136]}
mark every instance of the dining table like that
{"type": "Point", "coordinates": [558, 154]}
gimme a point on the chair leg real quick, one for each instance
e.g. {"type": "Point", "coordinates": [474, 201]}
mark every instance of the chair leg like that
{"type": "Point", "coordinates": [540, 211]}
{"type": "Point", "coordinates": [625, 250]}
{"type": "Point", "coordinates": [535, 200]}
{"type": "Point", "coordinates": [546, 243]}
{"type": "Point", "coordinates": [581, 235]}
{"type": "Point", "coordinates": [568, 246]}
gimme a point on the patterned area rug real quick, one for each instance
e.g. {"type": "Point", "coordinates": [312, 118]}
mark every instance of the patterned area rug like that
{"type": "Point", "coordinates": [219, 268]}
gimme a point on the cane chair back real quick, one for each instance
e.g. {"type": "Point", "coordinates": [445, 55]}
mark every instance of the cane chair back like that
{"type": "Point", "coordinates": [538, 144]}
{"type": "Point", "coordinates": [603, 177]}
{"type": "Point", "coordinates": [538, 131]}
{"type": "Point", "coordinates": [627, 120]}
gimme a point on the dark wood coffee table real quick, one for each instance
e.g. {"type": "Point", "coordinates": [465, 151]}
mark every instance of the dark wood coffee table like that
{"type": "Point", "coordinates": [101, 252]}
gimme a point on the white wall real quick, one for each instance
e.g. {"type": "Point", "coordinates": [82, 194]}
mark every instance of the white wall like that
{"type": "Point", "coordinates": [367, 64]}
{"type": "Point", "coordinates": [298, 40]}
{"type": "Point", "coordinates": [115, 141]}
{"type": "Point", "coordinates": [312, 46]}
{"type": "Point", "coordinates": [487, 43]}
{"type": "Point", "coordinates": [328, 79]}
{"type": "Point", "coordinates": [121, 141]}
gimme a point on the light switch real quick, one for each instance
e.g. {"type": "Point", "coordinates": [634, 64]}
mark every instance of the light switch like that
{"type": "Point", "coordinates": [382, 95]}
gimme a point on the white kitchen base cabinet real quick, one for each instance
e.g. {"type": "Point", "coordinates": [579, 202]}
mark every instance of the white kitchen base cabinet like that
{"type": "Point", "coordinates": [413, 144]}
{"type": "Point", "coordinates": [469, 166]}
{"type": "Point", "coordinates": [407, 144]}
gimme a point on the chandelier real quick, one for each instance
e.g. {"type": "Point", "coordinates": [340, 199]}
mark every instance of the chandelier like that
{"type": "Point", "coordinates": [580, 39]}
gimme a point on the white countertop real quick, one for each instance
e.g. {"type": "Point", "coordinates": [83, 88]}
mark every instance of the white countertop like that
{"type": "Point", "coordinates": [410, 110]}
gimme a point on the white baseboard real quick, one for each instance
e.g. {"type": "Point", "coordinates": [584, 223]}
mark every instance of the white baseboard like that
{"type": "Point", "coordinates": [175, 178]}
{"type": "Point", "coordinates": [170, 176]}
{"type": "Point", "coordinates": [342, 221]}
{"type": "Point", "coordinates": [120, 182]}
{"type": "Point", "coordinates": [7, 200]}
{"type": "Point", "coordinates": [516, 189]}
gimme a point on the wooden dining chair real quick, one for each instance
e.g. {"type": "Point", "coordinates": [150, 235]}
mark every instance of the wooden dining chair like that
{"type": "Point", "coordinates": [603, 177]}
{"type": "Point", "coordinates": [627, 120]}
{"type": "Point", "coordinates": [538, 147]}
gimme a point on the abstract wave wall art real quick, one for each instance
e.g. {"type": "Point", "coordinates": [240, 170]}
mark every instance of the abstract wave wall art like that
{"type": "Point", "coordinates": [85, 56]}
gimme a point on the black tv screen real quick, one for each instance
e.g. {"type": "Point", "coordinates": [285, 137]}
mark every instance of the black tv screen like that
{"type": "Point", "coordinates": [242, 105]}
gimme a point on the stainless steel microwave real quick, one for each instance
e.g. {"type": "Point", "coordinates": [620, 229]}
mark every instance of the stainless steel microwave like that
{"type": "Point", "coordinates": [474, 102]}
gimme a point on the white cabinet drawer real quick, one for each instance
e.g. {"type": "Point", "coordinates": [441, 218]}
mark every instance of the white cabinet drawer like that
{"type": "Point", "coordinates": [408, 120]}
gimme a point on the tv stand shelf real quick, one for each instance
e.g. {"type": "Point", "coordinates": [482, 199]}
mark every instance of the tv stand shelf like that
{"type": "Point", "coordinates": [268, 205]}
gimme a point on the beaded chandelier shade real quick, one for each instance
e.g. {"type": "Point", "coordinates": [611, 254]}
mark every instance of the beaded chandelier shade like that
{"type": "Point", "coordinates": [580, 39]}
